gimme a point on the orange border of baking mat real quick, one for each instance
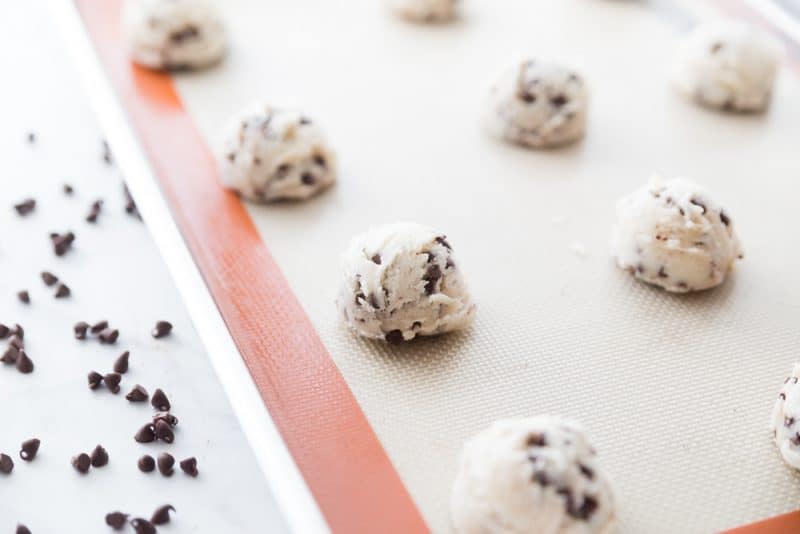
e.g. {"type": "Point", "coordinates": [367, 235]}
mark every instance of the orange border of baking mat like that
{"type": "Point", "coordinates": [335, 448]}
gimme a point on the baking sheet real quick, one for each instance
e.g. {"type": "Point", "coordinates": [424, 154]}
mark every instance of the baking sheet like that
{"type": "Point", "coordinates": [676, 391]}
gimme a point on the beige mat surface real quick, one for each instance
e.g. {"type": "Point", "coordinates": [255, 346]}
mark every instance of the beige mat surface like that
{"type": "Point", "coordinates": [676, 391]}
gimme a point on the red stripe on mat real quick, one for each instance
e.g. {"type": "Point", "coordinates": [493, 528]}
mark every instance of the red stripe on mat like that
{"type": "Point", "coordinates": [338, 453]}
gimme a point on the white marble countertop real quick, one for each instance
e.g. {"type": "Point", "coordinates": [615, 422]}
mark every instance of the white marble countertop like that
{"type": "Point", "coordinates": [115, 273]}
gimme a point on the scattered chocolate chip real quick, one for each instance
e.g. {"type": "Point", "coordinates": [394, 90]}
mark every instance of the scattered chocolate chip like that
{"type": "Point", "coordinates": [24, 296]}
{"type": "Point", "coordinates": [6, 464]}
{"type": "Point", "coordinates": [164, 431]}
{"type": "Point", "coordinates": [662, 272]}
{"type": "Point", "coordinates": [137, 394]}
{"type": "Point", "coordinates": [4, 331]}
{"type": "Point", "coordinates": [376, 258]}
{"type": "Point", "coordinates": [94, 211]}
{"type": "Point", "coordinates": [68, 190]}
{"type": "Point", "coordinates": [130, 205]}
{"type": "Point", "coordinates": [782, 396]}
{"type": "Point", "coordinates": [699, 203]}
{"type": "Point", "coordinates": [432, 275]}
{"type": "Point", "coordinates": [587, 508]}
{"type": "Point", "coordinates": [588, 472]}
{"type": "Point", "coordinates": [10, 355]}
{"type": "Point", "coordinates": [716, 47]}
{"type": "Point", "coordinates": [161, 515]}
{"type": "Point", "coordinates": [99, 327]}
{"type": "Point", "coordinates": [146, 464]}
{"type": "Point", "coordinates": [416, 324]}
{"type": "Point", "coordinates": [442, 240]}
{"type": "Point", "coordinates": [559, 100]}
{"type": "Point", "coordinates": [80, 329]}
{"type": "Point", "coordinates": [161, 329]}
{"type": "Point", "coordinates": [24, 363]}
{"type": "Point", "coordinates": [527, 97]}
{"type": "Point", "coordinates": [22, 529]}
{"type": "Point", "coordinates": [165, 464]}
{"type": "Point", "coordinates": [160, 401]}
{"type": "Point", "coordinates": [62, 242]}
{"type": "Point", "coordinates": [395, 337]}
{"type": "Point", "coordinates": [31, 137]}
{"type": "Point", "coordinates": [108, 336]}
{"type": "Point", "coordinates": [99, 456]}
{"type": "Point", "coordinates": [112, 381]}
{"type": "Point", "coordinates": [82, 463]}
{"type": "Point", "coordinates": [724, 218]}
{"type": "Point", "coordinates": [788, 421]}
{"type": "Point", "coordinates": [94, 379]}
{"type": "Point", "coordinates": [305, 120]}
{"type": "Point", "coordinates": [116, 520]}
{"type": "Point", "coordinates": [319, 160]}
{"type": "Point", "coordinates": [307, 178]}
{"type": "Point", "coordinates": [536, 440]}
{"type": "Point", "coordinates": [540, 477]}
{"type": "Point", "coordinates": [121, 364]}
{"type": "Point", "coordinates": [107, 157]}
{"type": "Point", "coordinates": [29, 448]}
{"type": "Point", "coordinates": [167, 417]}
{"type": "Point", "coordinates": [25, 207]}
{"type": "Point", "coordinates": [143, 526]}
{"type": "Point", "coordinates": [49, 278]}
{"type": "Point", "coordinates": [62, 291]}
{"type": "Point", "coordinates": [189, 466]}
{"type": "Point", "coordinates": [146, 434]}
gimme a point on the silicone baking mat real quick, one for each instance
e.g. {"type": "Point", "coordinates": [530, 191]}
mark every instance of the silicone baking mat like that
{"type": "Point", "coordinates": [676, 391]}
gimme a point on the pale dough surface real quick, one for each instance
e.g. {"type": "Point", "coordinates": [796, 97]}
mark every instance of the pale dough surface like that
{"type": "Point", "coordinates": [785, 422]}
{"type": "Point", "coordinates": [425, 10]}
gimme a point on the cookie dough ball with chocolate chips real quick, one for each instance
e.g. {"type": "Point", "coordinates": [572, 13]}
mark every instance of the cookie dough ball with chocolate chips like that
{"type": "Point", "coordinates": [674, 235]}
{"type": "Point", "coordinates": [532, 475]}
{"type": "Point", "coordinates": [425, 10]}
{"type": "Point", "coordinates": [400, 281]}
{"type": "Point", "coordinates": [537, 104]}
{"type": "Point", "coordinates": [727, 65]}
{"type": "Point", "coordinates": [785, 421]}
{"type": "Point", "coordinates": [174, 34]}
{"type": "Point", "coordinates": [275, 154]}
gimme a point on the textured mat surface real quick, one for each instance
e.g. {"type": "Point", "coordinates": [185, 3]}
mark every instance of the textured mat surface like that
{"type": "Point", "coordinates": [675, 391]}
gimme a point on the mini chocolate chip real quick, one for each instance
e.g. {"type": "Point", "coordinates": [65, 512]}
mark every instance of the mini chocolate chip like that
{"type": "Point", "coordinates": [416, 324]}
{"type": "Point", "coordinates": [165, 464]}
{"type": "Point", "coordinates": [25, 207]}
{"type": "Point", "coordinates": [164, 431]}
{"type": "Point", "coordinates": [159, 401]}
{"type": "Point", "coordinates": [699, 203]}
{"type": "Point", "coordinates": [10, 355]}
{"type": "Point", "coordinates": [716, 47]}
{"type": "Point", "coordinates": [6, 464]}
{"type": "Point", "coordinates": [94, 211]}
{"type": "Point", "coordinates": [161, 515]}
{"type": "Point", "coordinates": [443, 241]}
{"type": "Point", "coordinates": [319, 159]}
{"type": "Point", "coordinates": [189, 466]}
{"type": "Point", "coordinates": [161, 329]}
{"type": "Point", "coordinates": [62, 291]}
{"type": "Point", "coordinates": [536, 440]}
{"type": "Point", "coordinates": [107, 157]}
{"type": "Point", "coordinates": [724, 218]}
{"type": "Point", "coordinates": [24, 364]}
{"type": "Point", "coordinates": [432, 275]}
{"type": "Point", "coordinates": [639, 268]}
{"type": "Point", "coordinates": [527, 97]}
{"type": "Point", "coordinates": [137, 394]}
{"type": "Point", "coordinates": [540, 477]}
{"type": "Point", "coordinates": [376, 258]}
{"type": "Point", "coordinates": [62, 242]}
{"type": "Point", "coordinates": [587, 471]}
{"type": "Point", "coordinates": [167, 417]}
{"type": "Point", "coordinates": [662, 273]}
{"type": "Point", "coordinates": [395, 337]}
{"type": "Point", "coordinates": [683, 285]}
{"type": "Point", "coordinates": [24, 297]}
{"type": "Point", "coordinates": [121, 364]}
{"type": "Point", "coordinates": [146, 464]}
{"type": "Point", "coordinates": [49, 278]}
{"type": "Point", "coordinates": [80, 329]}
{"type": "Point", "coordinates": [99, 456]}
{"type": "Point", "coordinates": [112, 381]}
{"type": "Point", "coordinates": [143, 526]}
{"type": "Point", "coordinates": [781, 396]}
{"type": "Point", "coordinates": [146, 434]}
{"type": "Point", "coordinates": [99, 326]}
{"type": "Point", "coordinates": [373, 301]}
{"type": "Point", "coordinates": [22, 529]}
{"type": "Point", "coordinates": [788, 421]}
{"type": "Point", "coordinates": [282, 170]}
{"type": "Point", "coordinates": [109, 336]}
{"type": "Point", "coordinates": [82, 463]}
{"type": "Point", "coordinates": [68, 189]}
{"type": "Point", "coordinates": [94, 379]}
{"type": "Point", "coordinates": [305, 120]}
{"type": "Point", "coordinates": [587, 508]}
{"type": "Point", "coordinates": [116, 520]}
{"type": "Point", "coordinates": [307, 178]}
{"type": "Point", "coordinates": [31, 137]}
{"type": "Point", "coordinates": [559, 100]}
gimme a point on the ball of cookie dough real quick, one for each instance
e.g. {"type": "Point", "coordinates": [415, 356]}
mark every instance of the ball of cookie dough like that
{"type": "Point", "coordinates": [401, 281]}
{"type": "Point", "coordinates": [174, 34]}
{"type": "Point", "coordinates": [537, 104]}
{"type": "Point", "coordinates": [533, 475]}
{"type": "Point", "coordinates": [785, 422]}
{"type": "Point", "coordinates": [425, 10]}
{"type": "Point", "coordinates": [727, 65]}
{"type": "Point", "coordinates": [674, 235]}
{"type": "Point", "coordinates": [275, 154]}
